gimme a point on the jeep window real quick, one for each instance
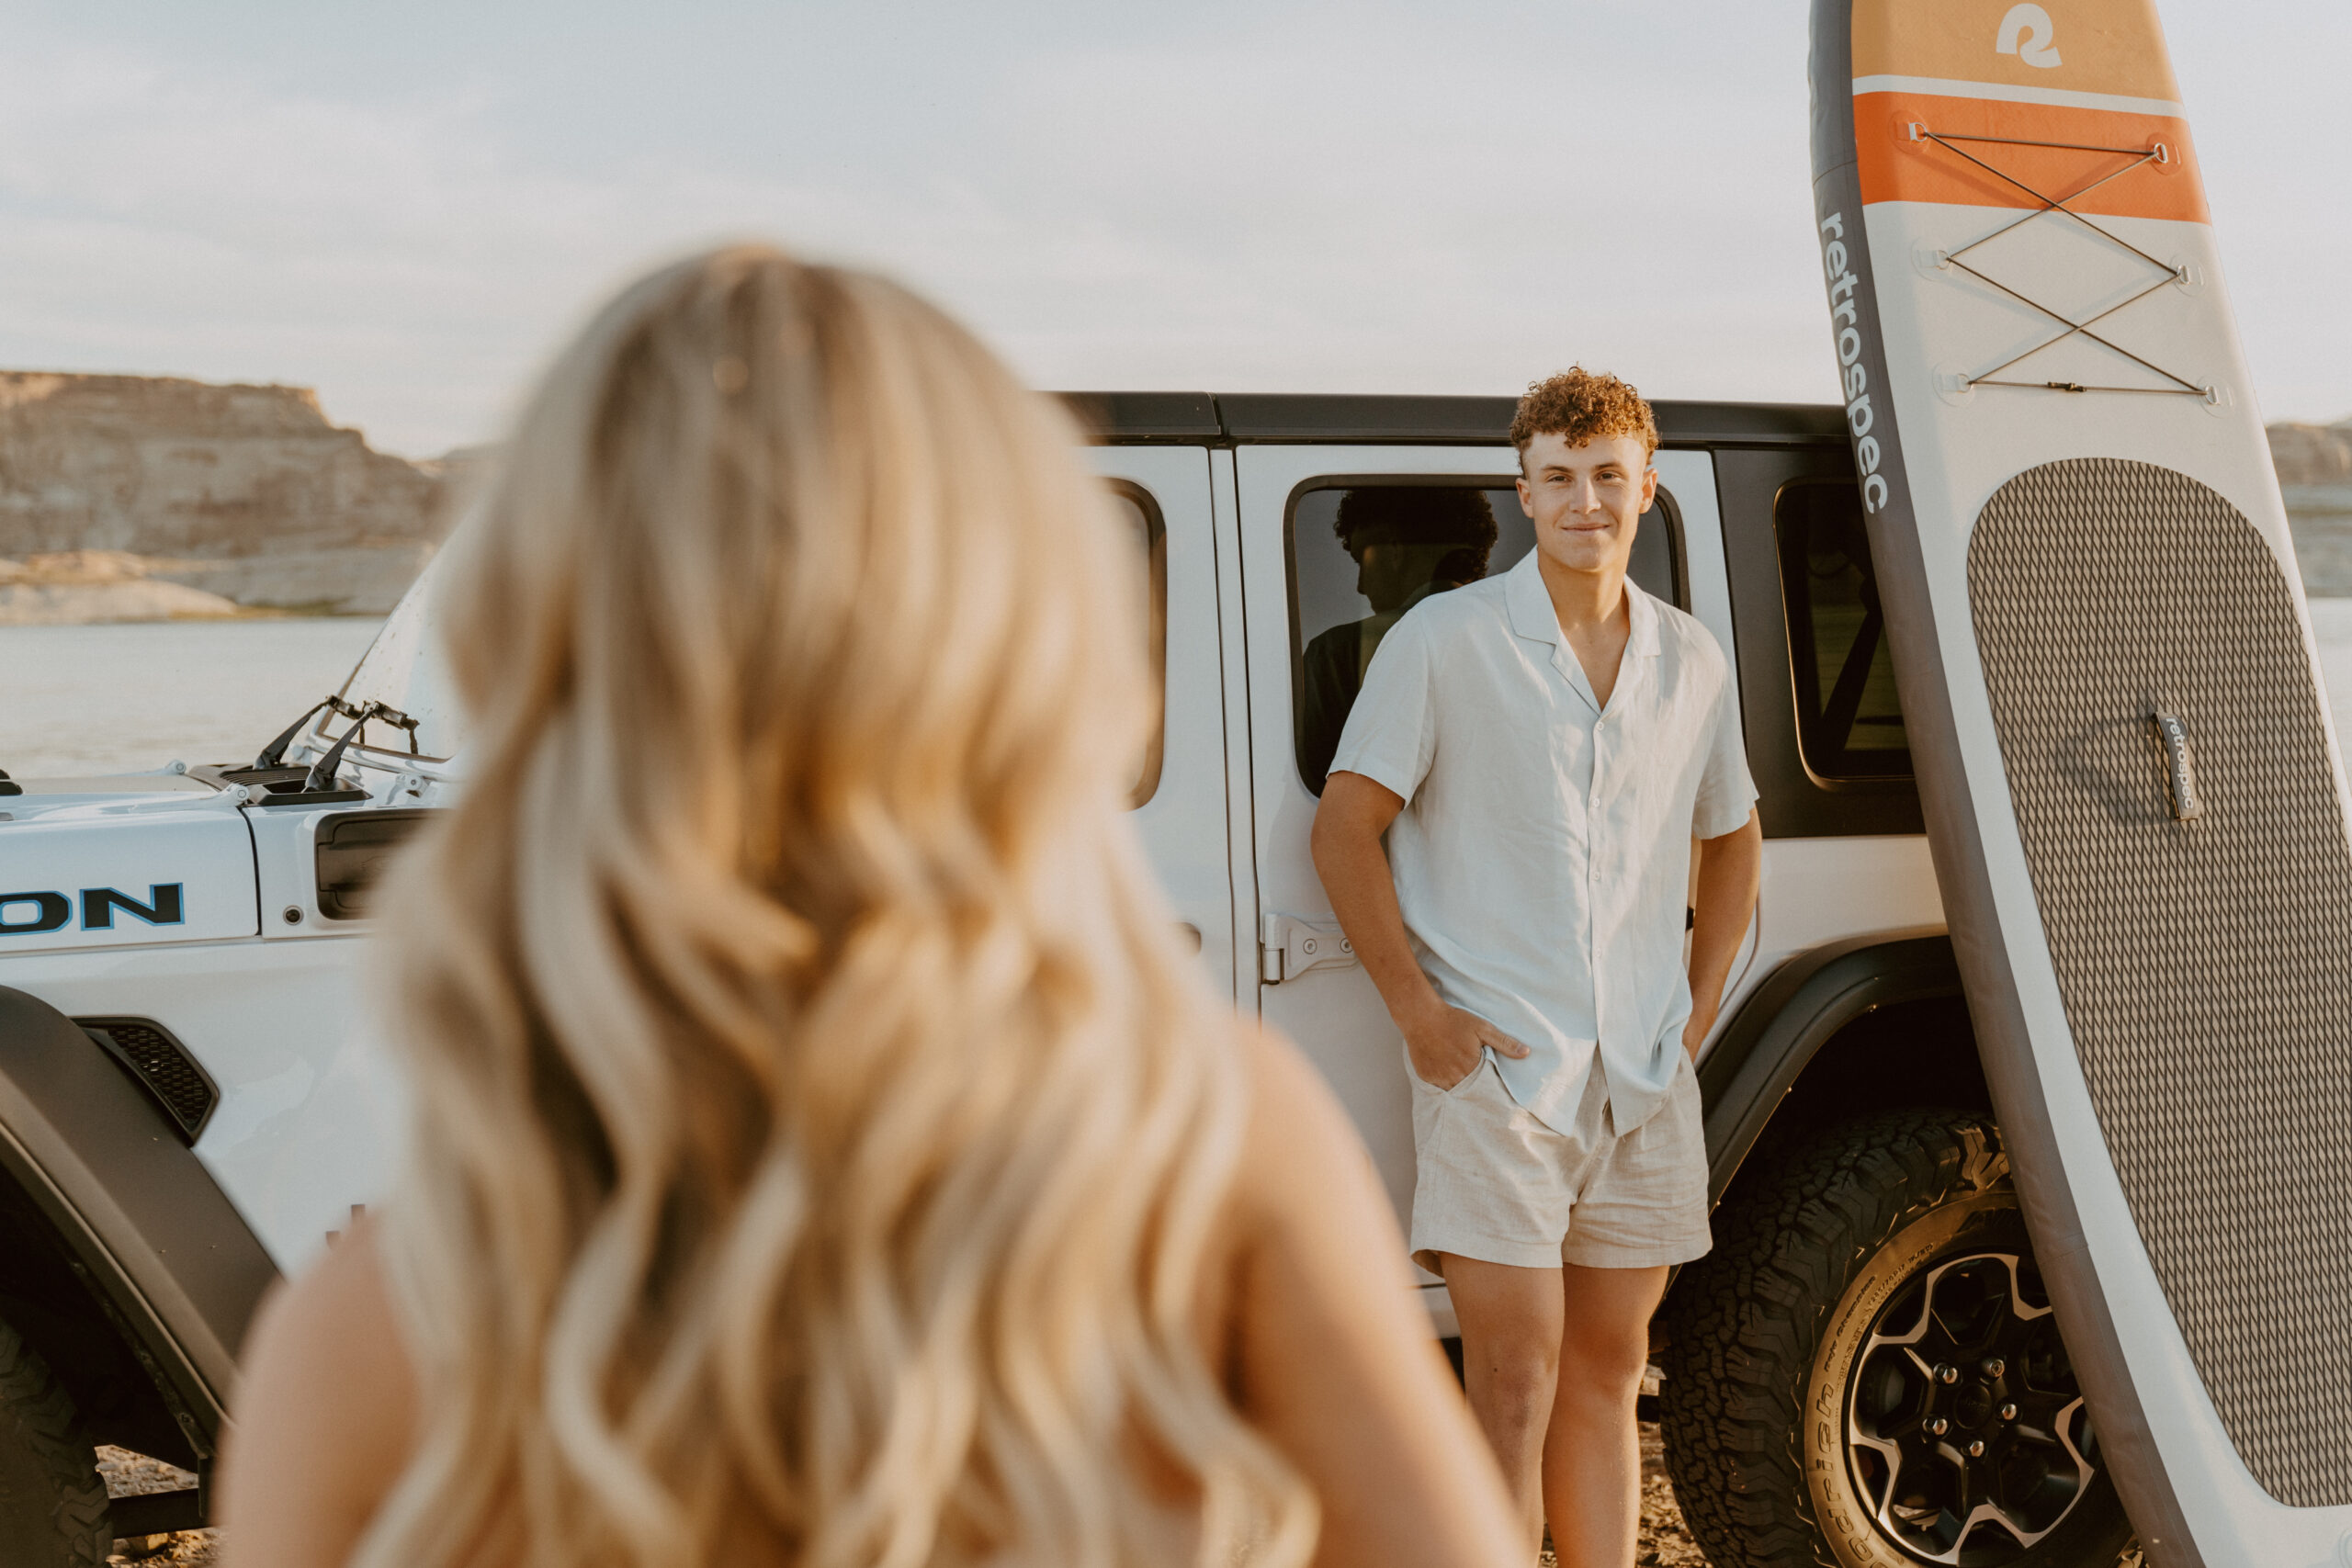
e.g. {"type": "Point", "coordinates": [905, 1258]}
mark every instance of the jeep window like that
{"type": "Point", "coordinates": [1139, 516]}
{"type": "Point", "coordinates": [403, 667]}
{"type": "Point", "coordinates": [1365, 550]}
{"type": "Point", "coordinates": [1849, 723]}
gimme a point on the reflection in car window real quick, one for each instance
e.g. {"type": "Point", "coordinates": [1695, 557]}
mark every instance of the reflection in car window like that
{"type": "Point", "coordinates": [1849, 722]}
{"type": "Point", "coordinates": [1363, 555]}
{"type": "Point", "coordinates": [1139, 518]}
{"type": "Point", "coordinates": [1406, 543]}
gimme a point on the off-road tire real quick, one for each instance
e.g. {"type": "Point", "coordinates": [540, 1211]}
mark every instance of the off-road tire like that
{"type": "Point", "coordinates": [52, 1500]}
{"type": "Point", "coordinates": [1758, 1328]}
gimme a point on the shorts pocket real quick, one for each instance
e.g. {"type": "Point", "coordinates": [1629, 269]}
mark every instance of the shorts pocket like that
{"type": "Point", "coordinates": [1688, 1102]}
{"type": "Point", "coordinates": [1423, 1085]}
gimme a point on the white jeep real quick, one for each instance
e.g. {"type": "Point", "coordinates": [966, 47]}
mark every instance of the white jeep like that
{"type": "Point", "coordinates": [190, 1103]}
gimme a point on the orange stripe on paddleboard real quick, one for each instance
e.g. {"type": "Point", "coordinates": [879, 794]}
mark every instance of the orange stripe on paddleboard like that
{"type": "Point", "coordinates": [2084, 46]}
{"type": "Point", "coordinates": [1893, 167]}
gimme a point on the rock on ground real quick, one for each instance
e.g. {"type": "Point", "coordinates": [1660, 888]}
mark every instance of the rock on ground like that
{"type": "Point", "coordinates": [129, 1475]}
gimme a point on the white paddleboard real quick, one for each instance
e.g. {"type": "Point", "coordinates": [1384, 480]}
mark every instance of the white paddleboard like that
{"type": "Point", "coordinates": [2133, 792]}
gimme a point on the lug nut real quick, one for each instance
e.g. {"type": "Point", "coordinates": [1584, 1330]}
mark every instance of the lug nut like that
{"type": "Point", "coordinates": [2008, 1412]}
{"type": "Point", "coordinates": [1937, 1427]}
{"type": "Point", "coordinates": [1947, 1372]}
{"type": "Point", "coordinates": [1976, 1448]}
{"type": "Point", "coordinates": [1996, 1367]}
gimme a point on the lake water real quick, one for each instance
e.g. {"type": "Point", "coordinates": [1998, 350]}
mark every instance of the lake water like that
{"type": "Point", "coordinates": [78, 700]}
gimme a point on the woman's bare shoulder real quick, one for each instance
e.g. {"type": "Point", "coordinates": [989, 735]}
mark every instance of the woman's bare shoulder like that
{"type": "Point", "coordinates": [1301, 1179]}
{"type": "Point", "coordinates": [326, 1413]}
{"type": "Point", "coordinates": [1302, 1162]}
{"type": "Point", "coordinates": [1333, 1359]}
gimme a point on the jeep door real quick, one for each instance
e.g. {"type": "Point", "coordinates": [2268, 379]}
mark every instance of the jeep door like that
{"type": "Point", "coordinates": [1160, 497]}
{"type": "Point", "coordinates": [1312, 629]}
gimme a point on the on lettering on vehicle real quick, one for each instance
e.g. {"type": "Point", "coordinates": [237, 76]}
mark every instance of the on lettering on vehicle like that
{"type": "Point", "coordinates": [163, 906]}
{"type": "Point", "coordinates": [51, 911]}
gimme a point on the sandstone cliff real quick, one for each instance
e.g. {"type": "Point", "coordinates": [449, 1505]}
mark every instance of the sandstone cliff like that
{"type": "Point", "coordinates": [243, 494]}
{"type": "Point", "coordinates": [2315, 463]}
{"type": "Point", "coordinates": [2308, 455]}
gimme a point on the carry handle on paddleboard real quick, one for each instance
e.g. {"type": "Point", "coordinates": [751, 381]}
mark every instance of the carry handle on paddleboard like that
{"type": "Point", "coordinates": [2187, 806]}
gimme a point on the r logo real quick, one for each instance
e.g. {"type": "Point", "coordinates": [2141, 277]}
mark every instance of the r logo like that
{"type": "Point", "coordinates": [2026, 32]}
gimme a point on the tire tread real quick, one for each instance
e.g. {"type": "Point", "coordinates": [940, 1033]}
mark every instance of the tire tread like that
{"type": "Point", "coordinates": [1746, 1319]}
{"type": "Point", "coordinates": [37, 1414]}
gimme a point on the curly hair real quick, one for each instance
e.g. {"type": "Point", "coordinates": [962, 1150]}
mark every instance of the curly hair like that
{"type": "Point", "coordinates": [1583, 407]}
{"type": "Point", "coordinates": [1419, 514]}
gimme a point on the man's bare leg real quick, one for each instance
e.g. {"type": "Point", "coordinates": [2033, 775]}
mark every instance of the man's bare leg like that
{"type": "Point", "coordinates": [1510, 1320]}
{"type": "Point", "coordinates": [1592, 1459]}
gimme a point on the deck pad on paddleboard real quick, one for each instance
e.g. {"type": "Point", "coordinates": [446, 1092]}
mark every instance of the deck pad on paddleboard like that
{"type": "Point", "coordinates": [2201, 933]}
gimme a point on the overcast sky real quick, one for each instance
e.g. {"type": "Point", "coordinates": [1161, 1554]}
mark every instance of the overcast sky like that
{"type": "Point", "coordinates": [406, 205]}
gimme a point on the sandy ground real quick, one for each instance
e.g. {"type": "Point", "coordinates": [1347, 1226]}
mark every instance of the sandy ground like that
{"type": "Point", "coordinates": [1664, 1543]}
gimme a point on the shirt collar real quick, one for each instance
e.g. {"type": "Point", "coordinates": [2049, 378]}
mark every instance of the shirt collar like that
{"type": "Point", "coordinates": [1532, 616]}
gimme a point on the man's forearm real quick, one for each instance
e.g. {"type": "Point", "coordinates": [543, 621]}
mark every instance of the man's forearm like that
{"type": "Point", "coordinates": [1730, 870]}
{"type": "Point", "coordinates": [1364, 896]}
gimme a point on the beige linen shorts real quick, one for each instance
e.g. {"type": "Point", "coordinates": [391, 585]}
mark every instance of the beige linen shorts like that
{"type": "Point", "coordinates": [1499, 1185]}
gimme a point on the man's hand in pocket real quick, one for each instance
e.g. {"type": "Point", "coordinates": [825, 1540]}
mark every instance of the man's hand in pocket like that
{"type": "Point", "coordinates": [1444, 1042]}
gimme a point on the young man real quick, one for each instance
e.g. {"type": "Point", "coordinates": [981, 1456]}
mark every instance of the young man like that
{"type": "Point", "coordinates": [1541, 749]}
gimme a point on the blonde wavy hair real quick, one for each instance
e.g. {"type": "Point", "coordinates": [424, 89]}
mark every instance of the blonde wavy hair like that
{"type": "Point", "coordinates": [819, 1129]}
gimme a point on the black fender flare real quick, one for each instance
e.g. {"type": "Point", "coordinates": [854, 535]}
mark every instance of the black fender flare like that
{"type": "Point", "coordinates": [146, 1227]}
{"type": "Point", "coordinates": [1792, 1015]}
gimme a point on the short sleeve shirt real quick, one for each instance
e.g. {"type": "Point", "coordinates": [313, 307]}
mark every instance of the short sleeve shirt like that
{"type": "Point", "coordinates": [1543, 858]}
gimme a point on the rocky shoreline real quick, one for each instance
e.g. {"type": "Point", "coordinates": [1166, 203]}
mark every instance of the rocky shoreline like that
{"type": "Point", "coordinates": [2314, 464]}
{"type": "Point", "coordinates": [87, 587]}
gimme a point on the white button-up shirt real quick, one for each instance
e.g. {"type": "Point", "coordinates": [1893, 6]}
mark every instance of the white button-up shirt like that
{"type": "Point", "coordinates": [1543, 858]}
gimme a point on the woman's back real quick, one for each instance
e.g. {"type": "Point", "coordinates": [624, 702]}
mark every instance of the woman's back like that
{"type": "Point", "coordinates": [824, 1153]}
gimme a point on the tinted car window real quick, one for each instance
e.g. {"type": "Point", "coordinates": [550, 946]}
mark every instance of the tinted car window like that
{"type": "Point", "coordinates": [1849, 722]}
{"type": "Point", "coordinates": [1364, 551]}
{"type": "Point", "coordinates": [1140, 519]}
